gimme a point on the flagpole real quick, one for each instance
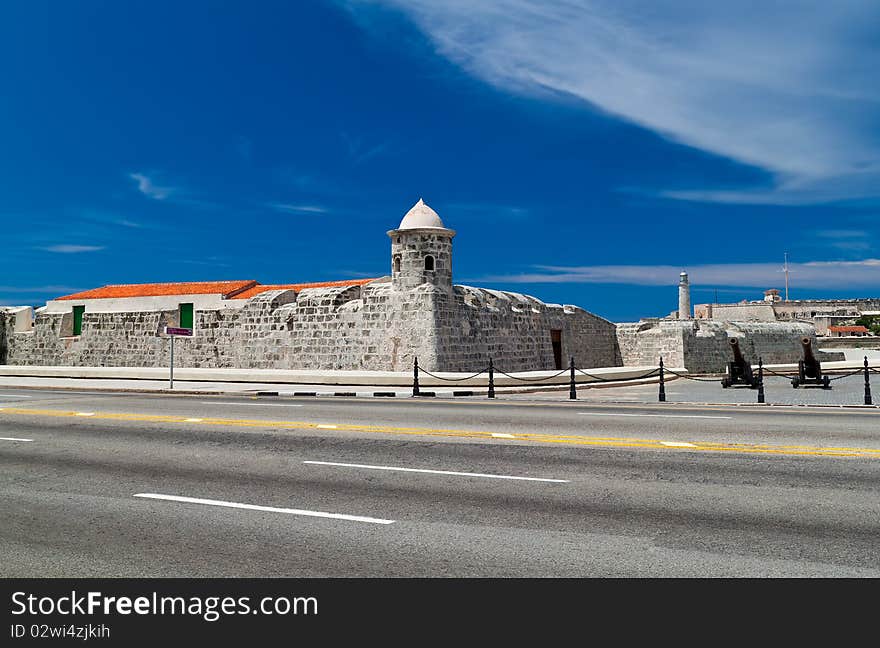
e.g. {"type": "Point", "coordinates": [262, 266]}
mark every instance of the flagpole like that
{"type": "Point", "coordinates": [786, 276]}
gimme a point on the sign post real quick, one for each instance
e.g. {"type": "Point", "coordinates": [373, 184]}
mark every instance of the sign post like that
{"type": "Point", "coordinates": [173, 332]}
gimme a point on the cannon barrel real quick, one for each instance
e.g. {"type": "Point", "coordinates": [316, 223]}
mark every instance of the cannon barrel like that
{"type": "Point", "coordinates": [737, 352]}
{"type": "Point", "coordinates": [808, 350]}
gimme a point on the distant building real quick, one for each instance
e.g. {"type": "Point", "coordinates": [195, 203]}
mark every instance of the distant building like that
{"type": "Point", "coordinates": [848, 331]}
{"type": "Point", "coordinates": [772, 296]}
{"type": "Point", "coordinates": [684, 297]}
{"type": "Point", "coordinates": [822, 313]}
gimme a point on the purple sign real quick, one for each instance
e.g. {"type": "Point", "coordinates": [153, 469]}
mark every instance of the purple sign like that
{"type": "Point", "coordinates": [169, 330]}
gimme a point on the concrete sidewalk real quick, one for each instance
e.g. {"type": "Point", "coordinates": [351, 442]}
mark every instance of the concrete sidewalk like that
{"type": "Point", "coordinates": [603, 384]}
{"type": "Point", "coordinates": [284, 389]}
{"type": "Point", "coordinates": [299, 381]}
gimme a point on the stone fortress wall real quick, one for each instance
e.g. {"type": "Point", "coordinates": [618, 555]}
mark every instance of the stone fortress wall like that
{"type": "Point", "coordinates": [475, 324]}
{"type": "Point", "coordinates": [415, 312]}
{"type": "Point", "coordinates": [14, 320]}
{"type": "Point", "coordinates": [368, 327]}
{"type": "Point", "coordinates": [806, 310]}
{"type": "Point", "coordinates": [750, 312]}
{"type": "Point", "coordinates": [703, 346]}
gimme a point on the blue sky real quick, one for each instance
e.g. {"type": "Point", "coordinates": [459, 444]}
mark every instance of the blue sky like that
{"type": "Point", "coordinates": [586, 152]}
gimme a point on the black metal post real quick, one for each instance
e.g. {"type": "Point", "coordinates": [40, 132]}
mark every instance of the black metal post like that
{"type": "Point", "coordinates": [760, 380]}
{"type": "Point", "coordinates": [171, 372]}
{"type": "Point", "coordinates": [572, 392]}
{"type": "Point", "coordinates": [868, 400]}
{"type": "Point", "coordinates": [491, 379]}
{"type": "Point", "coordinates": [415, 376]}
{"type": "Point", "coordinates": [662, 394]}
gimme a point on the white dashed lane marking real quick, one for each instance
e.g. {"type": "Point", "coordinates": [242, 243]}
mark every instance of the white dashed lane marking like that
{"type": "Point", "coordinates": [433, 472]}
{"type": "Point", "coordinates": [268, 509]}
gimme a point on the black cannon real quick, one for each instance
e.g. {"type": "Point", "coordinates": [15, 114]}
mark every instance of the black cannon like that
{"type": "Point", "coordinates": [739, 372]}
{"type": "Point", "coordinates": [810, 369]}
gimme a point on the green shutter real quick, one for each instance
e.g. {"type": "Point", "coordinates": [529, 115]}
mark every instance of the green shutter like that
{"type": "Point", "coordinates": [78, 319]}
{"type": "Point", "coordinates": [186, 316]}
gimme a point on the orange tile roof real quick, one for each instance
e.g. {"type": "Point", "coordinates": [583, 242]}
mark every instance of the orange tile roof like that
{"type": "Point", "coordinates": [258, 289]}
{"type": "Point", "coordinates": [848, 329]}
{"type": "Point", "coordinates": [226, 288]}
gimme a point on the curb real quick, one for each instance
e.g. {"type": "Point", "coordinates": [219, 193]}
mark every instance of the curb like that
{"type": "Point", "coordinates": [407, 395]}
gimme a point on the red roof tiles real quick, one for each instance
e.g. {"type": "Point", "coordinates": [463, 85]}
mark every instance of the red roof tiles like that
{"type": "Point", "coordinates": [848, 329]}
{"type": "Point", "coordinates": [226, 288]}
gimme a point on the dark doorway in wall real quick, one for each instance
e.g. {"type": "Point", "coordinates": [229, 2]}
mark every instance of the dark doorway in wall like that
{"type": "Point", "coordinates": [556, 338]}
{"type": "Point", "coordinates": [185, 316]}
{"type": "Point", "coordinates": [78, 319]}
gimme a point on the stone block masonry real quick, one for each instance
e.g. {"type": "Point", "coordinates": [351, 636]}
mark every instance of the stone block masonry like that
{"type": "Point", "coordinates": [369, 327]}
{"type": "Point", "coordinates": [384, 324]}
{"type": "Point", "coordinates": [515, 330]}
{"type": "Point", "coordinates": [703, 346]}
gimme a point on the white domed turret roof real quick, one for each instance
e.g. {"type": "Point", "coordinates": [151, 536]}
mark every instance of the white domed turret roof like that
{"type": "Point", "coordinates": [421, 216]}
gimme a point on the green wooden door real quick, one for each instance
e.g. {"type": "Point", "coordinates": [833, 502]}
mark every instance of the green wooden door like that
{"type": "Point", "coordinates": [78, 319]}
{"type": "Point", "coordinates": [186, 316]}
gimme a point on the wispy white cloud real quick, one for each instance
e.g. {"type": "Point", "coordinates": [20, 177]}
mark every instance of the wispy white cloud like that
{"type": "Point", "coordinates": [298, 209]}
{"type": "Point", "coordinates": [842, 234]}
{"type": "Point", "coordinates": [103, 218]}
{"type": "Point", "coordinates": [36, 290]}
{"type": "Point", "coordinates": [488, 210]}
{"type": "Point", "coordinates": [72, 249]}
{"type": "Point", "coordinates": [357, 274]}
{"type": "Point", "coordinates": [307, 182]}
{"type": "Point", "coordinates": [862, 274]}
{"type": "Point", "coordinates": [846, 239]}
{"type": "Point", "coordinates": [788, 87]}
{"type": "Point", "coordinates": [149, 188]}
{"type": "Point", "coordinates": [124, 222]}
{"type": "Point", "coordinates": [360, 150]}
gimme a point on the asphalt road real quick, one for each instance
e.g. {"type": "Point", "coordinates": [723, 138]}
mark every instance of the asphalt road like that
{"type": "Point", "coordinates": [139, 485]}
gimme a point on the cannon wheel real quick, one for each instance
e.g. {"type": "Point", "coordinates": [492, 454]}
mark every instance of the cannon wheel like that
{"type": "Point", "coordinates": [725, 383]}
{"type": "Point", "coordinates": [795, 382]}
{"type": "Point", "coordinates": [826, 382]}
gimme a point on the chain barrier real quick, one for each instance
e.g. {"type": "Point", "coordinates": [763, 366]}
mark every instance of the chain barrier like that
{"type": "Point", "coordinates": [653, 372]}
{"type": "Point", "coordinates": [539, 382]}
{"type": "Point", "coordinates": [793, 375]}
{"type": "Point", "coordinates": [675, 373]}
{"type": "Point", "coordinates": [857, 371]}
{"type": "Point", "coordinates": [774, 373]}
{"type": "Point", "coordinates": [503, 373]}
{"type": "Point", "coordinates": [428, 373]}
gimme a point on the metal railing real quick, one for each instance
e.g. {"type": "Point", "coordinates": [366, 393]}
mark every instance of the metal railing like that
{"type": "Point", "coordinates": [661, 372]}
{"type": "Point", "coordinates": [866, 370]}
{"type": "Point", "coordinates": [529, 381]}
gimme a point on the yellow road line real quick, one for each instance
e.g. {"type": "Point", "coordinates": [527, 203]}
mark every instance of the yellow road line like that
{"type": "Point", "coordinates": [577, 440]}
